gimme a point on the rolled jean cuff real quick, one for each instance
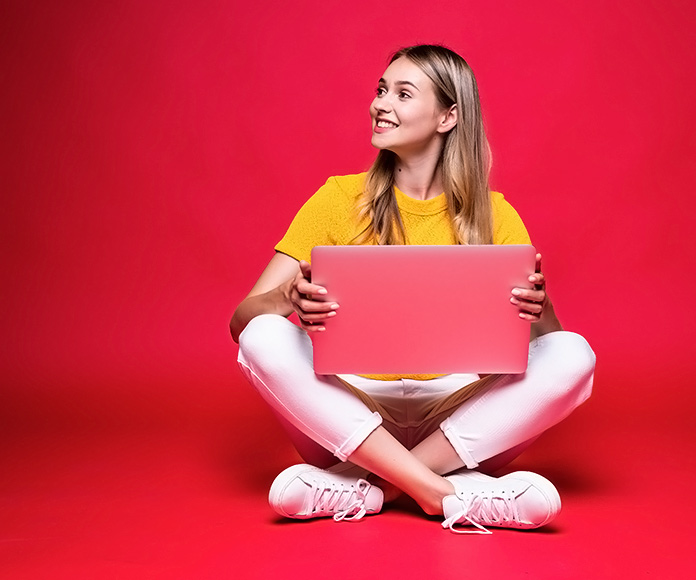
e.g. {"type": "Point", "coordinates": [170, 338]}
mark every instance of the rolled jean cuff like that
{"type": "Point", "coordinates": [458, 445]}
{"type": "Point", "coordinates": [356, 439]}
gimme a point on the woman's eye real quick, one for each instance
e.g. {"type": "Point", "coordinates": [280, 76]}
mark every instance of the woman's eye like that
{"type": "Point", "coordinates": [404, 95]}
{"type": "Point", "coordinates": [380, 91]}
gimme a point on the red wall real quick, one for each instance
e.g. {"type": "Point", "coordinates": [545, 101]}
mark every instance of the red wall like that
{"type": "Point", "coordinates": [154, 152]}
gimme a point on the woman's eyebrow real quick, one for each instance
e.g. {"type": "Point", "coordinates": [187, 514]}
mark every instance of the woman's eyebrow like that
{"type": "Point", "coordinates": [382, 81]}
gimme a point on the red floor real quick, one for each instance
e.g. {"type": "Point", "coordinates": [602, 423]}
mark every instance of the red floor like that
{"type": "Point", "coordinates": [99, 483]}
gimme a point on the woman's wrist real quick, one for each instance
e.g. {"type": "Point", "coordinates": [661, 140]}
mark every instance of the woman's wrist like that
{"type": "Point", "coordinates": [547, 323]}
{"type": "Point", "coordinates": [284, 293]}
{"type": "Point", "coordinates": [276, 301]}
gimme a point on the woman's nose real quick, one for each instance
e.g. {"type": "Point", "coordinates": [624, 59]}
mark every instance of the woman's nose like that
{"type": "Point", "coordinates": [382, 104]}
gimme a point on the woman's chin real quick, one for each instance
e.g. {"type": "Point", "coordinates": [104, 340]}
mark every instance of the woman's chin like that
{"type": "Point", "coordinates": [378, 143]}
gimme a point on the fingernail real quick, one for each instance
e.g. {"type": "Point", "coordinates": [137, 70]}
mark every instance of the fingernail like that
{"type": "Point", "coordinates": [331, 314]}
{"type": "Point", "coordinates": [323, 291]}
{"type": "Point", "coordinates": [516, 292]}
{"type": "Point", "coordinates": [334, 306]}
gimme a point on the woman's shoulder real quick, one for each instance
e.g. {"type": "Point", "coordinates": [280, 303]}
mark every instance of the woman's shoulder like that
{"type": "Point", "coordinates": [336, 198]}
{"type": "Point", "coordinates": [508, 227]}
{"type": "Point", "coordinates": [349, 186]}
{"type": "Point", "coordinates": [325, 219]}
{"type": "Point", "coordinates": [497, 199]}
{"type": "Point", "coordinates": [501, 206]}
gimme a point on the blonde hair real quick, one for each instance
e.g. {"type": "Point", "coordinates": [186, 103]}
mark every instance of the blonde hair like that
{"type": "Point", "coordinates": [464, 162]}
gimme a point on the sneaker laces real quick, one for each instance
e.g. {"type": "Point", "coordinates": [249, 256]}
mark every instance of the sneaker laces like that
{"type": "Point", "coordinates": [347, 501]}
{"type": "Point", "coordinates": [485, 509]}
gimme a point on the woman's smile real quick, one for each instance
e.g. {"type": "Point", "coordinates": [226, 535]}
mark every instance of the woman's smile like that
{"type": "Point", "coordinates": [382, 125]}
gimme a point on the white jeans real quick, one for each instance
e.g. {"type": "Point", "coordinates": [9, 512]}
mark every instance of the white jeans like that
{"type": "Point", "coordinates": [493, 417]}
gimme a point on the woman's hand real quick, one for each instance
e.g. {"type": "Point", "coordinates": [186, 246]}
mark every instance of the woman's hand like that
{"type": "Point", "coordinates": [305, 299]}
{"type": "Point", "coordinates": [532, 302]}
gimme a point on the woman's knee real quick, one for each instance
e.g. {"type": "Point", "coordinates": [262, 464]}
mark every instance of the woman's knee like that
{"type": "Point", "coordinates": [265, 338]}
{"type": "Point", "coordinates": [568, 362]}
{"type": "Point", "coordinates": [578, 356]}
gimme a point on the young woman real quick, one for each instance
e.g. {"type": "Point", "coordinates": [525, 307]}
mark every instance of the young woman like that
{"type": "Point", "coordinates": [431, 437]}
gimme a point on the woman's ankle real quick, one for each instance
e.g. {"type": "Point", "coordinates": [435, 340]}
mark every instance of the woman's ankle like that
{"type": "Point", "coordinates": [390, 491]}
{"type": "Point", "coordinates": [431, 502]}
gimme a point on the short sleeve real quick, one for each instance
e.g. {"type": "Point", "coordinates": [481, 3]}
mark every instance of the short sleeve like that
{"type": "Point", "coordinates": [324, 220]}
{"type": "Point", "coordinates": [508, 227]}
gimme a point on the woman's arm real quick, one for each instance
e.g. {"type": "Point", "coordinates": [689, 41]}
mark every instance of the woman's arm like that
{"type": "Point", "coordinates": [284, 287]}
{"type": "Point", "coordinates": [535, 305]}
{"type": "Point", "coordinates": [270, 294]}
{"type": "Point", "coordinates": [548, 322]}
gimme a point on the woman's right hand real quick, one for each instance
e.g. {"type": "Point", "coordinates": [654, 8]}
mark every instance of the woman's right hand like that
{"type": "Point", "coordinates": [305, 298]}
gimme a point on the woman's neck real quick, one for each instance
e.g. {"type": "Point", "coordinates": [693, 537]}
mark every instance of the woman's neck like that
{"type": "Point", "coordinates": [419, 178]}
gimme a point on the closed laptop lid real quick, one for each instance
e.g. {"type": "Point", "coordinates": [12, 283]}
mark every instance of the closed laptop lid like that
{"type": "Point", "coordinates": [422, 309]}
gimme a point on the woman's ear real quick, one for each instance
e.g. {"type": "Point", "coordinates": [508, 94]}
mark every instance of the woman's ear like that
{"type": "Point", "coordinates": [449, 120]}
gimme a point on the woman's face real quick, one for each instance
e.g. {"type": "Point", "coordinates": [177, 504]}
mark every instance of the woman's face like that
{"type": "Point", "coordinates": [406, 115]}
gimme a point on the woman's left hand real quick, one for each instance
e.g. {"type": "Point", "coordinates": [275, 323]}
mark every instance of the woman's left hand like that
{"type": "Point", "coordinates": [531, 301]}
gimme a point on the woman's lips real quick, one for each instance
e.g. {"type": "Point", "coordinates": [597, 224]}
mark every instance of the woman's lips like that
{"type": "Point", "coordinates": [382, 126]}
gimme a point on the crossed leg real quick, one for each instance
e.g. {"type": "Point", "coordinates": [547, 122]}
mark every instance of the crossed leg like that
{"type": "Point", "coordinates": [276, 357]}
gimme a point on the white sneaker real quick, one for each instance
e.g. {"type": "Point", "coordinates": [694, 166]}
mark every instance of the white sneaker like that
{"type": "Point", "coordinates": [304, 491]}
{"type": "Point", "coordinates": [521, 500]}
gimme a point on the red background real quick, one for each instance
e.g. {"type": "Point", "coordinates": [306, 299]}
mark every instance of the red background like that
{"type": "Point", "coordinates": [154, 152]}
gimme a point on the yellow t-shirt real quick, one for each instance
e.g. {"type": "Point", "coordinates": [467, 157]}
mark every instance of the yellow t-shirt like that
{"type": "Point", "coordinates": [329, 218]}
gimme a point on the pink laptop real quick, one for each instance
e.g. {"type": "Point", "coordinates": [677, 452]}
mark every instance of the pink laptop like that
{"type": "Point", "coordinates": [422, 309]}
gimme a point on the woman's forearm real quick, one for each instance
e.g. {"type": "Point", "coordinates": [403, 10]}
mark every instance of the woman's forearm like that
{"type": "Point", "coordinates": [274, 301]}
{"type": "Point", "coordinates": [548, 323]}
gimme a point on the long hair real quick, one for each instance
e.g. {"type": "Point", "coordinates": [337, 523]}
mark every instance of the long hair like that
{"type": "Point", "coordinates": [464, 162]}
